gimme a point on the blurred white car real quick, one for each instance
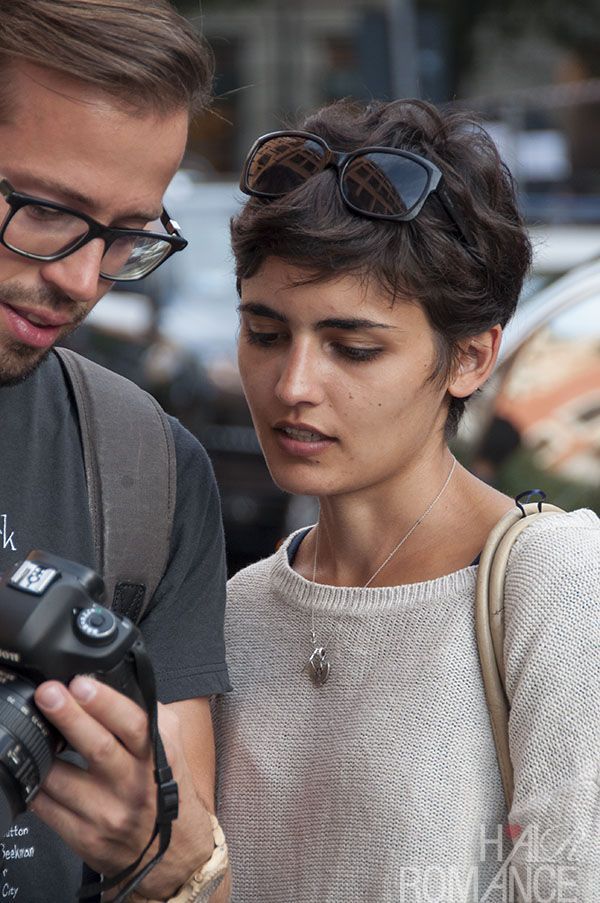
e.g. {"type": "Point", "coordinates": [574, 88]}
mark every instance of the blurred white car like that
{"type": "Point", "coordinates": [537, 423]}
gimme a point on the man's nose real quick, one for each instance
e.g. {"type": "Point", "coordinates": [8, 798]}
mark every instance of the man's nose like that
{"type": "Point", "coordinates": [78, 275]}
{"type": "Point", "coordinates": [300, 376]}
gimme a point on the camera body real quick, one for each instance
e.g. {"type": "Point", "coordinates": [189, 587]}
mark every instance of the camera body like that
{"type": "Point", "coordinates": [52, 626]}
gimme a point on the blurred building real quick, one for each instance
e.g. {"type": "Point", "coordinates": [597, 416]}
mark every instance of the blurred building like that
{"type": "Point", "coordinates": [532, 71]}
{"type": "Point", "coordinates": [275, 59]}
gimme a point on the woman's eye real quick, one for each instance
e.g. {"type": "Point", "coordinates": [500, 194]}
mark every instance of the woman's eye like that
{"type": "Point", "coordinates": [355, 353]}
{"type": "Point", "coordinates": [266, 339]}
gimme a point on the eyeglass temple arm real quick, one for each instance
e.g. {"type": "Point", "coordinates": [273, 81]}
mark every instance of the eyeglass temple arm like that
{"type": "Point", "coordinates": [460, 222]}
{"type": "Point", "coordinates": [172, 227]}
{"type": "Point", "coordinates": [6, 188]}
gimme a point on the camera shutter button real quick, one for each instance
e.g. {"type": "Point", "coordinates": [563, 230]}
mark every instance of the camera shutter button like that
{"type": "Point", "coordinates": [96, 625]}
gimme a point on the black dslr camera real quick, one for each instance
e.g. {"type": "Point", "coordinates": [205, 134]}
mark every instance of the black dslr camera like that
{"type": "Point", "coordinates": [53, 626]}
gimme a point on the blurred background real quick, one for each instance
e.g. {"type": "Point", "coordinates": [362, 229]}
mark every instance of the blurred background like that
{"type": "Point", "coordinates": [532, 71]}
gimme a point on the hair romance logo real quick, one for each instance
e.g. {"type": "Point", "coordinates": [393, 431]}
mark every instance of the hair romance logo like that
{"type": "Point", "coordinates": [515, 863]}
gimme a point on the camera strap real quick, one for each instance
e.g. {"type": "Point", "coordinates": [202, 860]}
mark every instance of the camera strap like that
{"type": "Point", "coordinates": [167, 794]}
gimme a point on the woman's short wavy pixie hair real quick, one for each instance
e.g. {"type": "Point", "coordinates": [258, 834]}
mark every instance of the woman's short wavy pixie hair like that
{"type": "Point", "coordinates": [425, 260]}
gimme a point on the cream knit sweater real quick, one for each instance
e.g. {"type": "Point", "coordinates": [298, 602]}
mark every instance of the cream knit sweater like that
{"type": "Point", "coordinates": [383, 785]}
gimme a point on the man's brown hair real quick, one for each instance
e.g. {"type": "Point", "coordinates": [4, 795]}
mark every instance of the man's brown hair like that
{"type": "Point", "coordinates": [142, 52]}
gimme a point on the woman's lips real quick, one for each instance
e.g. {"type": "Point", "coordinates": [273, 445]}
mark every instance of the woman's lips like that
{"type": "Point", "coordinates": [36, 335]}
{"type": "Point", "coordinates": [302, 442]}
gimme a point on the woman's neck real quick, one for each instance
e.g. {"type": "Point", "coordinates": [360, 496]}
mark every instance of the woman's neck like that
{"type": "Point", "coordinates": [358, 531]}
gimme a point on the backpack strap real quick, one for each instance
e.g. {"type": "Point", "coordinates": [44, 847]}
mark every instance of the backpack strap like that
{"type": "Point", "coordinates": [130, 466]}
{"type": "Point", "coordinates": [489, 624]}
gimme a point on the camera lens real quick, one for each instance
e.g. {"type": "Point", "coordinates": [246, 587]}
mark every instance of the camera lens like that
{"type": "Point", "coordinates": [27, 746]}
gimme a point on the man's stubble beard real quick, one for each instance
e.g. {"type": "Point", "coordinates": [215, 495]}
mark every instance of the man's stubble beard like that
{"type": "Point", "coordinates": [18, 361]}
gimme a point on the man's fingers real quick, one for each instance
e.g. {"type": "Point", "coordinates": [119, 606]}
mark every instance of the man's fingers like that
{"type": "Point", "coordinates": [114, 811]}
{"type": "Point", "coordinates": [118, 714]}
{"type": "Point", "coordinates": [91, 717]}
{"type": "Point", "coordinates": [72, 787]}
{"type": "Point", "coordinates": [108, 839]}
{"type": "Point", "coordinates": [61, 819]}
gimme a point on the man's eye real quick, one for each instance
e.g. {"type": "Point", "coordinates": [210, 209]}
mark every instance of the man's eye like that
{"type": "Point", "coordinates": [44, 214]}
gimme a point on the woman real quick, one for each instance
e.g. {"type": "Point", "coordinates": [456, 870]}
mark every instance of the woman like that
{"type": "Point", "coordinates": [356, 760]}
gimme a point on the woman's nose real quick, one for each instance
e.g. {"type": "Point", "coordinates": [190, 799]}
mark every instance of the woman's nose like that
{"type": "Point", "coordinates": [300, 377]}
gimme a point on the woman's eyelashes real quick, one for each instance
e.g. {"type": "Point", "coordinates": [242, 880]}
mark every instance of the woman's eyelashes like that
{"type": "Point", "coordinates": [354, 353]}
{"type": "Point", "coordinates": [266, 339]}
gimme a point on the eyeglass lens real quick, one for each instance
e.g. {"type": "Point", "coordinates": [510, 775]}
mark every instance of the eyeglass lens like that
{"type": "Point", "coordinates": [46, 232]}
{"type": "Point", "coordinates": [43, 231]}
{"type": "Point", "coordinates": [283, 163]}
{"type": "Point", "coordinates": [131, 258]}
{"type": "Point", "coordinates": [384, 184]}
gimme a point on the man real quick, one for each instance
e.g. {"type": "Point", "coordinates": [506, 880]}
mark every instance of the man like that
{"type": "Point", "coordinates": [95, 101]}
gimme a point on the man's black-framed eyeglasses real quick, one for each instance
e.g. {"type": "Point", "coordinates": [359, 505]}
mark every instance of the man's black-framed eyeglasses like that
{"type": "Point", "coordinates": [44, 230]}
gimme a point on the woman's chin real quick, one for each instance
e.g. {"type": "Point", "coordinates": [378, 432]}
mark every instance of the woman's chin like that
{"type": "Point", "coordinates": [298, 480]}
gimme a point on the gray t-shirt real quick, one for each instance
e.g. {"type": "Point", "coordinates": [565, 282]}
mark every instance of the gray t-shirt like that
{"type": "Point", "coordinates": [43, 505]}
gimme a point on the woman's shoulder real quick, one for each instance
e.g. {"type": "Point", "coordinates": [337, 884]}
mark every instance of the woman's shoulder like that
{"type": "Point", "coordinates": [560, 536]}
{"type": "Point", "coordinates": [554, 570]}
{"type": "Point", "coordinates": [259, 574]}
{"type": "Point", "coordinates": [250, 577]}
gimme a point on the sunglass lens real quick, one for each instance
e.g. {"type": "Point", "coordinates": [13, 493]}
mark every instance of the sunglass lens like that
{"type": "Point", "coordinates": [383, 184]}
{"type": "Point", "coordinates": [282, 163]}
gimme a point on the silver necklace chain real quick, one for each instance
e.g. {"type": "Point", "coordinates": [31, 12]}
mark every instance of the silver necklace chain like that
{"type": "Point", "coordinates": [319, 665]}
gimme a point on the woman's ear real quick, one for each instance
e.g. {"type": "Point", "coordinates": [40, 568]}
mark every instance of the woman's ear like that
{"type": "Point", "coordinates": [476, 358]}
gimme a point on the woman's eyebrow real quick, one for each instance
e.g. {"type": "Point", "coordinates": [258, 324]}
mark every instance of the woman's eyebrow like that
{"type": "Point", "coordinates": [351, 323]}
{"type": "Point", "coordinates": [346, 323]}
{"type": "Point", "coordinates": [261, 310]}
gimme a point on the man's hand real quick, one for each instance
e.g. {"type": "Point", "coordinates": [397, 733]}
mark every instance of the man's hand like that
{"type": "Point", "coordinates": [106, 814]}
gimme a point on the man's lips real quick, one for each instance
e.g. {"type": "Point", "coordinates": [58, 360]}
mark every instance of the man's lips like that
{"type": "Point", "coordinates": [40, 316]}
{"type": "Point", "coordinates": [38, 328]}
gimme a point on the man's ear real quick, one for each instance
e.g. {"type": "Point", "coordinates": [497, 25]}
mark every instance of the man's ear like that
{"type": "Point", "coordinates": [475, 361]}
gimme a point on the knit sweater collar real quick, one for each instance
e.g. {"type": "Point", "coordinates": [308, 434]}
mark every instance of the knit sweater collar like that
{"type": "Point", "coordinates": [302, 593]}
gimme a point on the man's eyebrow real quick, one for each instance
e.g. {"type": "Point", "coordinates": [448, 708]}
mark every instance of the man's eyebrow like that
{"type": "Point", "coordinates": [346, 323]}
{"type": "Point", "coordinates": [78, 199]}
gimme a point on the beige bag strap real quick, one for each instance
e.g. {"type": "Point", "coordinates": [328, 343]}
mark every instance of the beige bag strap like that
{"type": "Point", "coordinates": [489, 623]}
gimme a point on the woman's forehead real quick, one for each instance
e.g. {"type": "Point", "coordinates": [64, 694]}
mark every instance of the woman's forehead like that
{"type": "Point", "coordinates": [294, 292]}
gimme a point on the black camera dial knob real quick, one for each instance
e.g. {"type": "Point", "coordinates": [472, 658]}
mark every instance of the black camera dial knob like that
{"type": "Point", "coordinates": [96, 625]}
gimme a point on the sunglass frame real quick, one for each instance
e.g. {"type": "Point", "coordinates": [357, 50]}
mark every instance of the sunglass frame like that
{"type": "Point", "coordinates": [340, 160]}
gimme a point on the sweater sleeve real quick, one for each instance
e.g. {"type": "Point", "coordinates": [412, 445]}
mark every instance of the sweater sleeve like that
{"type": "Point", "coordinates": [552, 660]}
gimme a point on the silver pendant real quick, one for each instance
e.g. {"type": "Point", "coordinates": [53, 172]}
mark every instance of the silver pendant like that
{"type": "Point", "coordinates": [318, 666]}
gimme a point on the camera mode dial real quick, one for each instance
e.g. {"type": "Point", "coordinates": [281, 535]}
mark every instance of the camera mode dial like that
{"type": "Point", "coordinates": [96, 625]}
